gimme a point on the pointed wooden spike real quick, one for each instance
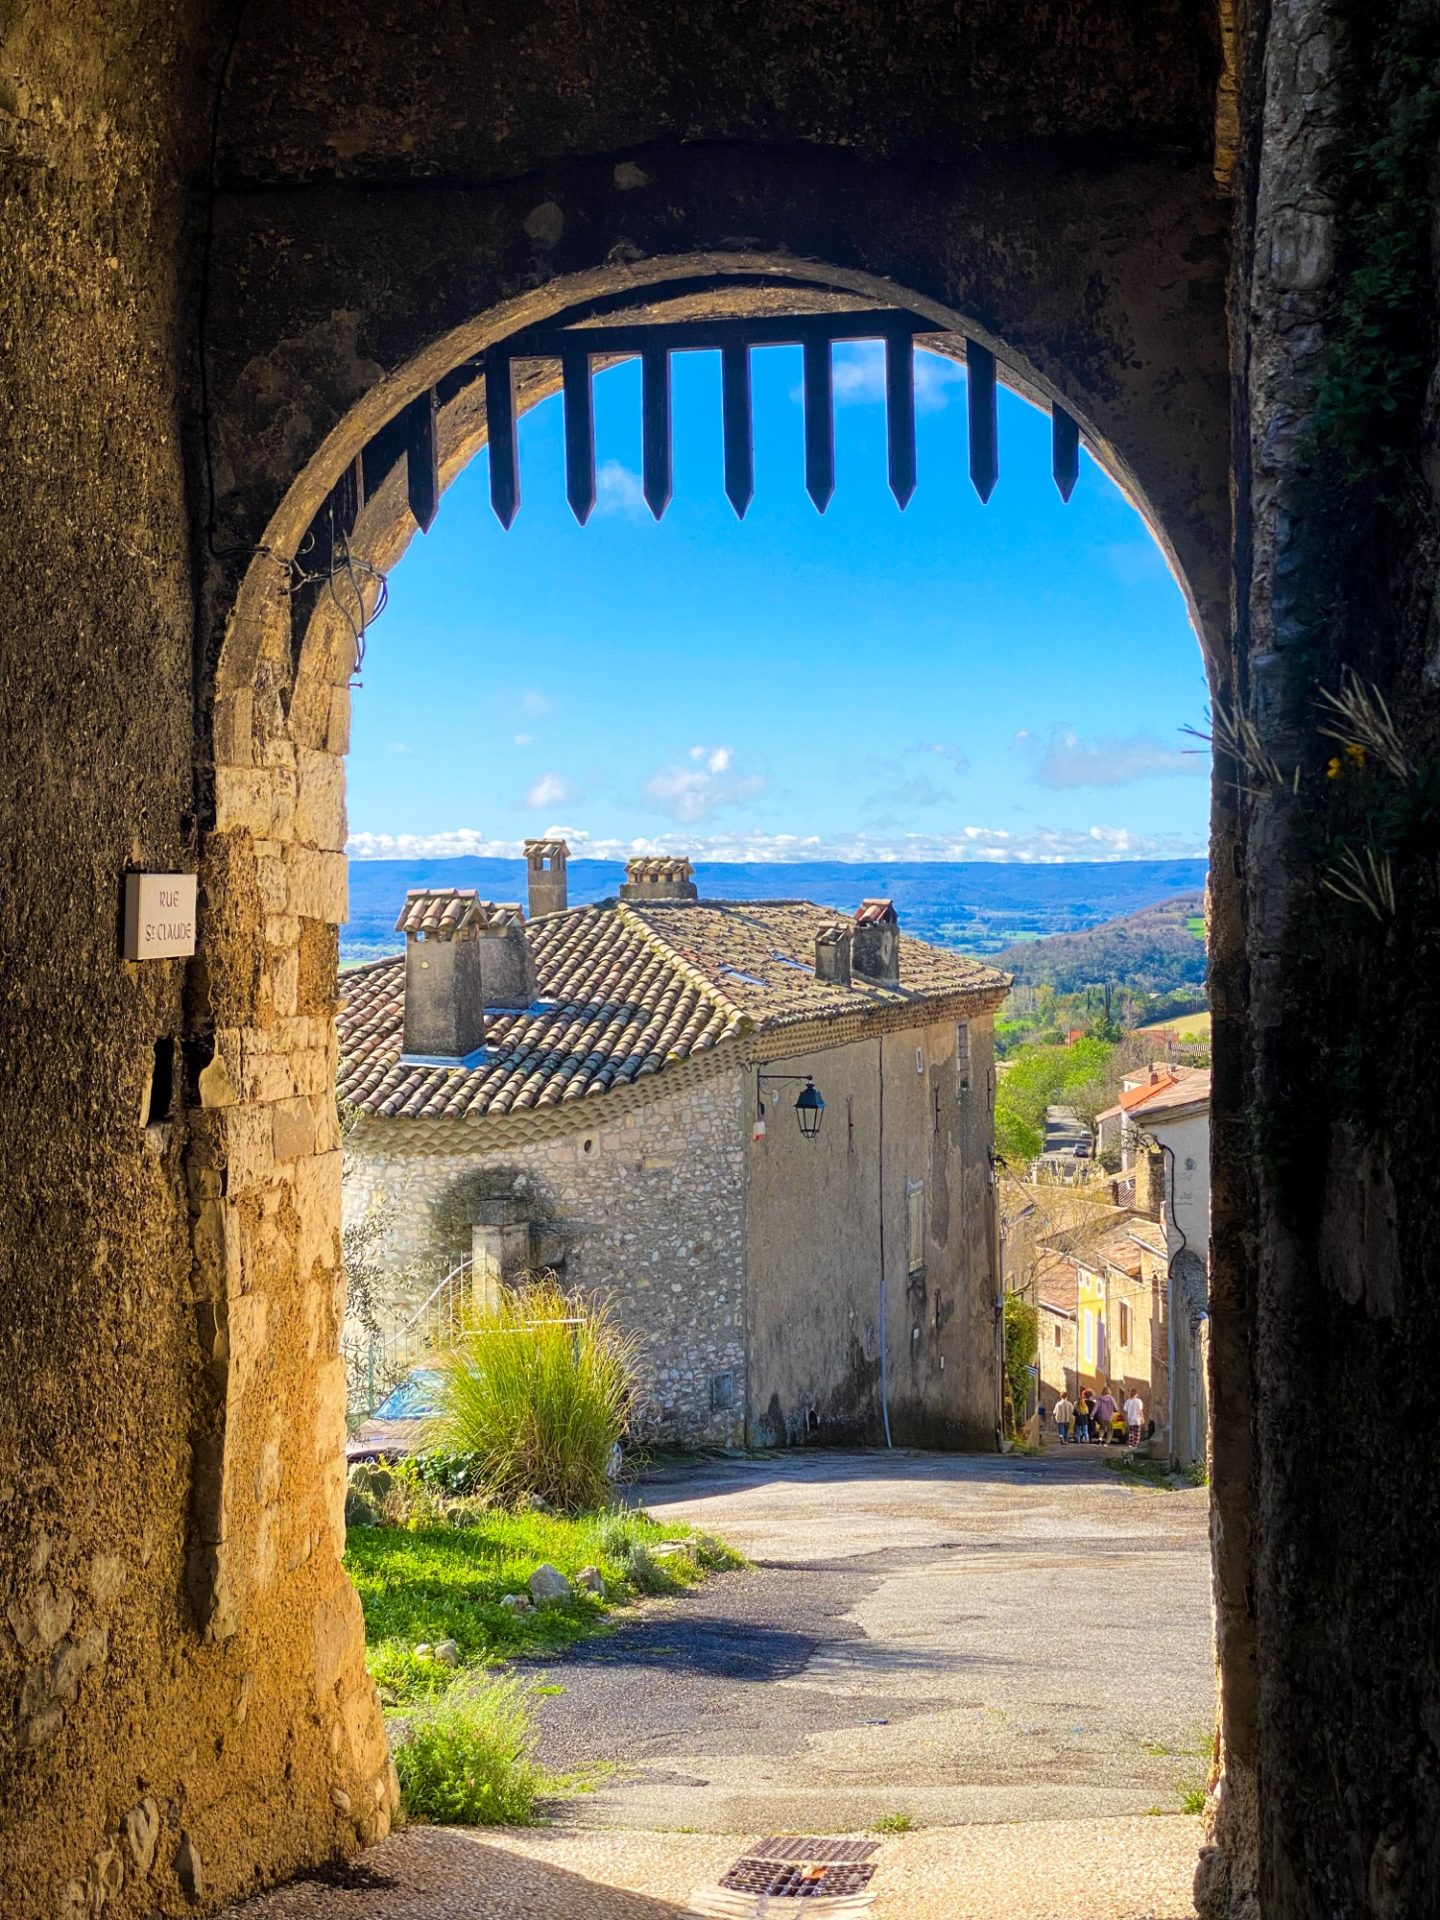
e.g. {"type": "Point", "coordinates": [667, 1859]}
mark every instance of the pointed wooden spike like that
{"type": "Point", "coordinates": [819, 424]}
{"type": "Point", "coordinates": [500, 431]}
{"type": "Point", "coordinates": [980, 383]}
{"type": "Point", "coordinates": [655, 429]}
{"type": "Point", "coordinates": [1064, 451]}
{"type": "Point", "coordinates": [738, 427]}
{"type": "Point", "coordinates": [579, 433]}
{"type": "Point", "coordinates": [422, 460]}
{"type": "Point", "coordinates": [900, 414]}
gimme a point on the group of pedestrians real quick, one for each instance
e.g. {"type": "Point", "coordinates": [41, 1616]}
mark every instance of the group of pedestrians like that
{"type": "Point", "coordinates": [1099, 1419]}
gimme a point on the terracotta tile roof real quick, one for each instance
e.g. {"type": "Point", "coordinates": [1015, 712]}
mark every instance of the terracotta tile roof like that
{"type": "Point", "coordinates": [1182, 1088]}
{"type": "Point", "coordinates": [875, 913]}
{"type": "Point", "coordinates": [632, 986]}
{"type": "Point", "coordinates": [444, 911]}
{"type": "Point", "coordinates": [659, 867]}
{"type": "Point", "coordinates": [1057, 1284]}
{"type": "Point", "coordinates": [547, 850]}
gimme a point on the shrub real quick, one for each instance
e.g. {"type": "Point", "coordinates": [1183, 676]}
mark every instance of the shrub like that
{"type": "Point", "coordinates": [466, 1757]}
{"type": "Point", "coordinates": [537, 1391]}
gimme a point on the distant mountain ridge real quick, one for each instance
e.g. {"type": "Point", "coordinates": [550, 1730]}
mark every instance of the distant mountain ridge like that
{"type": "Point", "coordinates": [1155, 950]}
{"type": "Point", "coordinates": [977, 908]}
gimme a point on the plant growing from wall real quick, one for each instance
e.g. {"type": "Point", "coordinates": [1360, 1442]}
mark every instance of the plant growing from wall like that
{"type": "Point", "coordinates": [1022, 1340]}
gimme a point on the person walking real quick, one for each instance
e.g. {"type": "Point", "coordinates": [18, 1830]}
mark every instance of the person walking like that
{"type": "Point", "coordinates": [1134, 1420]}
{"type": "Point", "coordinates": [1105, 1411]}
{"type": "Point", "coordinates": [1082, 1415]}
{"type": "Point", "coordinates": [1064, 1413]}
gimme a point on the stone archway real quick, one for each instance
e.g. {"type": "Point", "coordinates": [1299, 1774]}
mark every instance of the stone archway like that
{"type": "Point", "coordinates": [273, 876]}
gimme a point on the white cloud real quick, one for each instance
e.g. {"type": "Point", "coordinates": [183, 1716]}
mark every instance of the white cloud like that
{"type": "Point", "coordinates": [524, 739]}
{"type": "Point", "coordinates": [1072, 761]}
{"type": "Point", "coordinates": [399, 746]}
{"type": "Point", "coordinates": [548, 791]}
{"type": "Point", "coordinates": [618, 490]}
{"type": "Point", "coordinates": [715, 759]}
{"type": "Point", "coordinates": [708, 784]}
{"type": "Point", "coordinates": [533, 702]}
{"type": "Point", "coordinates": [1041, 846]}
{"type": "Point", "coordinates": [857, 376]}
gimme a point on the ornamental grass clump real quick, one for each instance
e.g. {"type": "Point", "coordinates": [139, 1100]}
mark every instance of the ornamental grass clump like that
{"type": "Point", "coordinates": [465, 1759]}
{"type": "Point", "coordinates": [537, 1393]}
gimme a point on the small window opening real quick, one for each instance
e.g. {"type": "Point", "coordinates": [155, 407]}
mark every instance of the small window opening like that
{"type": "Point", "coordinates": [915, 1225]}
{"type": "Point", "coordinates": [161, 1096]}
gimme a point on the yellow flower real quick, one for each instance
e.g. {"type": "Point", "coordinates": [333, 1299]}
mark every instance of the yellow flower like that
{"type": "Point", "coordinates": [1355, 755]}
{"type": "Point", "coordinates": [1334, 769]}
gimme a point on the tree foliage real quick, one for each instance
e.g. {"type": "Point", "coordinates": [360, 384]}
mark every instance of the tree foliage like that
{"type": "Point", "coordinates": [1022, 1338]}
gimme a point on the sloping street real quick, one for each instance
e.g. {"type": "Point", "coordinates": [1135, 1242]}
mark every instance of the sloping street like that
{"type": "Point", "coordinates": [999, 1670]}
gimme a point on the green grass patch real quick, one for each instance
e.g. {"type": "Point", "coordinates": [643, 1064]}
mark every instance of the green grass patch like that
{"type": "Point", "coordinates": [1157, 1476]}
{"type": "Point", "coordinates": [894, 1823]}
{"type": "Point", "coordinates": [1192, 1775]}
{"type": "Point", "coordinates": [466, 1758]}
{"type": "Point", "coordinates": [428, 1585]}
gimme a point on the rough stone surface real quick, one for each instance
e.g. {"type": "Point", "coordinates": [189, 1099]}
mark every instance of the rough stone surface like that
{"type": "Point", "coordinates": [645, 1211]}
{"type": "Point", "coordinates": [396, 186]}
{"type": "Point", "coordinates": [547, 1583]}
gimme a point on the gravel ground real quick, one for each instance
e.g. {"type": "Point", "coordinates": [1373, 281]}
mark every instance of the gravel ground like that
{"type": "Point", "coordinates": [1134, 1869]}
{"type": "Point", "coordinates": [1011, 1653]}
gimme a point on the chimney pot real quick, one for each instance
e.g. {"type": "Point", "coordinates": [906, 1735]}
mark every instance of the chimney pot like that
{"type": "Point", "coordinates": [875, 944]}
{"type": "Point", "coordinates": [549, 890]}
{"type": "Point", "coordinates": [507, 966]}
{"type": "Point", "coordinates": [832, 954]}
{"type": "Point", "coordinates": [659, 878]}
{"type": "Point", "coordinates": [444, 994]}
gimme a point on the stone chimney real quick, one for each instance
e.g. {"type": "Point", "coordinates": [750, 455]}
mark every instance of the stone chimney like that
{"type": "Point", "coordinates": [444, 996]}
{"type": "Point", "coordinates": [659, 879]}
{"type": "Point", "coordinates": [548, 889]}
{"type": "Point", "coordinates": [507, 966]}
{"type": "Point", "coordinates": [832, 954]}
{"type": "Point", "coordinates": [875, 944]}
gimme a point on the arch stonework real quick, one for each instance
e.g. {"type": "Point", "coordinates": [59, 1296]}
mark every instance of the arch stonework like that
{"type": "Point", "coordinates": [185, 1708]}
{"type": "Point", "coordinates": [1146, 380]}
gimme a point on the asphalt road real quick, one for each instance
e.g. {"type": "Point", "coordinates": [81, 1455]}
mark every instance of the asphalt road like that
{"type": "Point", "coordinates": [956, 1639]}
{"type": "Point", "coordinates": [1007, 1652]}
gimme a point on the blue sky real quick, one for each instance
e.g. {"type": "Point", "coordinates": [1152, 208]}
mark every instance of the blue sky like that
{"type": "Point", "coordinates": [955, 682]}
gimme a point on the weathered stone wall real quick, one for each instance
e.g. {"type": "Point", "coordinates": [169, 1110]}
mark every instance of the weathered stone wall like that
{"type": "Point", "coordinates": [645, 1210]}
{"type": "Point", "coordinates": [828, 1219]}
{"type": "Point", "coordinates": [1336, 326]}
{"type": "Point", "coordinates": [147, 1765]}
{"type": "Point", "coordinates": [397, 186]}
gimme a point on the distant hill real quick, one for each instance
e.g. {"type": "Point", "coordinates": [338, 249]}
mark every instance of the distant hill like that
{"type": "Point", "coordinates": [975, 906]}
{"type": "Point", "coordinates": [1153, 951]}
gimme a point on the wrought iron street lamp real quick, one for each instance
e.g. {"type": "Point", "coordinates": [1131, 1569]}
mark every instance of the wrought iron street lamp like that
{"type": "Point", "coordinates": [809, 1105]}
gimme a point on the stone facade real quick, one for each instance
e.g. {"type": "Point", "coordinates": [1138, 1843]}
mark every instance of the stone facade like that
{"type": "Point", "coordinates": [644, 1208]}
{"type": "Point", "coordinates": [752, 1273]}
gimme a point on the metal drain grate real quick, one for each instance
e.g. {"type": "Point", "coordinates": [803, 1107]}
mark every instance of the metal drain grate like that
{"type": "Point", "coordinates": [803, 1869]}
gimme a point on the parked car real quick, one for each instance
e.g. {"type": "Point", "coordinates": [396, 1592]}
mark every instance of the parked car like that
{"type": "Point", "coordinates": [397, 1426]}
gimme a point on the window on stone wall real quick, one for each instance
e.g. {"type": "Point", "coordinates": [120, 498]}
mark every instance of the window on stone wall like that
{"type": "Point", "coordinates": [1125, 1320]}
{"type": "Point", "coordinates": [915, 1225]}
{"type": "Point", "coordinates": [962, 1055]}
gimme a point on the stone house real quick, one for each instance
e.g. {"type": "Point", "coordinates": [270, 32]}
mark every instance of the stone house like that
{"type": "Point", "coordinates": [1161, 1127]}
{"type": "Point", "coordinates": [611, 1090]}
{"type": "Point", "coordinates": [1102, 1311]}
